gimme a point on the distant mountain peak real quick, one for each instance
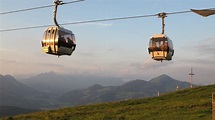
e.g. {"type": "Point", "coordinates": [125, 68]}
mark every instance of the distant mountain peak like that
{"type": "Point", "coordinates": [47, 73]}
{"type": "Point", "coordinates": [134, 85]}
{"type": "Point", "coordinates": [7, 78]}
{"type": "Point", "coordinates": [164, 76]}
{"type": "Point", "coordinates": [1, 75]}
{"type": "Point", "coordinates": [137, 80]}
{"type": "Point", "coordinates": [95, 87]}
{"type": "Point", "coordinates": [162, 79]}
{"type": "Point", "coordinates": [11, 86]}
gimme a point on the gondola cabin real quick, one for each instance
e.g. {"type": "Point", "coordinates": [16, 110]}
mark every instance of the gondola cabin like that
{"type": "Point", "coordinates": [160, 47]}
{"type": "Point", "coordinates": [58, 41]}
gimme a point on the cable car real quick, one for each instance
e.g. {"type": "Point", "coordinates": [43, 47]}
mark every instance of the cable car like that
{"type": "Point", "coordinates": [58, 40]}
{"type": "Point", "coordinates": [160, 47]}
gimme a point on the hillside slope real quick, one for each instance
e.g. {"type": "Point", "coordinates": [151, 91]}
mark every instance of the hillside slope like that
{"type": "Point", "coordinates": [57, 84]}
{"type": "Point", "coordinates": [12, 110]}
{"type": "Point", "coordinates": [14, 93]}
{"type": "Point", "coordinates": [130, 90]}
{"type": "Point", "coordinates": [189, 104]}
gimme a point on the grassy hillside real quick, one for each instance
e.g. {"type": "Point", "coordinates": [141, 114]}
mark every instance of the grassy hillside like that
{"type": "Point", "coordinates": [12, 110]}
{"type": "Point", "coordinates": [189, 104]}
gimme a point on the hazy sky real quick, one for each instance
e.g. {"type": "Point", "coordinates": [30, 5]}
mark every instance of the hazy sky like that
{"type": "Point", "coordinates": [112, 48]}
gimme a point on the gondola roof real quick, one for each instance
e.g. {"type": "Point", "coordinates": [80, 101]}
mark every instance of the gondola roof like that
{"type": "Point", "coordinates": [159, 35]}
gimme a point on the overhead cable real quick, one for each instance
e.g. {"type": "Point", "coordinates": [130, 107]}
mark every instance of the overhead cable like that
{"type": "Point", "coordinates": [109, 19]}
{"type": "Point", "coordinates": [179, 12]}
{"type": "Point", "coordinates": [97, 20]}
{"type": "Point", "coordinates": [80, 22]}
{"type": "Point", "coordinates": [33, 8]}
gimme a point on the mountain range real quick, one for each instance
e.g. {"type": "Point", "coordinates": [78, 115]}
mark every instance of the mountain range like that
{"type": "Point", "coordinates": [14, 93]}
{"type": "Point", "coordinates": [57, 84]}
{"type": "Point", "coordinates": [33, 94]}
{"type": "Point", "coordinates": [129, 90]}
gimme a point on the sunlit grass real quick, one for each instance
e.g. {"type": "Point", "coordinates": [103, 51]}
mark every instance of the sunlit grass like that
{"type": "Point", "coordinates": [189, 104]}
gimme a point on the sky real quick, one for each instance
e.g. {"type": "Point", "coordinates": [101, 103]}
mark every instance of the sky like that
{"type": "Point", "coordinates": [111, 48]}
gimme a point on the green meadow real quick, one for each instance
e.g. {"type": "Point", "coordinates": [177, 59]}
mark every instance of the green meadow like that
{"type": "Point", "coordinates": [187, 104]}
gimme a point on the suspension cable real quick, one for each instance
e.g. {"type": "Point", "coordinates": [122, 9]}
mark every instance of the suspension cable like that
{"type": "Point", "coordinates": [33, 8]}
{"type": "Point", "coordinates": [96, 20]}
{"type": "Point", "coordinates": [80, 22]}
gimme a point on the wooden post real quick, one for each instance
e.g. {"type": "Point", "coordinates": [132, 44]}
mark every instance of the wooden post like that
{"type": "Point", "coordinates": [213, 106]}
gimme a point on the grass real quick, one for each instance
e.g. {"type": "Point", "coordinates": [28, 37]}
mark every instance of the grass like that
{"type": "Point", "coordinates": [189, 104]}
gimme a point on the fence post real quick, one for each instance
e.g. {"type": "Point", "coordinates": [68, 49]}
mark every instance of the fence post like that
{"type": "Point", "coordinates": [213, 106]}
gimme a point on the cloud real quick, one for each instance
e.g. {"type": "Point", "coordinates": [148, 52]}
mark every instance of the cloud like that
{"type": "Point", "coordinates": [204, 50]}
{"type": "Point", "coordinates": [87, 54]}
{"type": "Point", "coordinates": [110, 49]}
{"type": "Point", "coordinates": [8, 61]}
{"type": "Point", "coordinates": [150, 64]}
{"type": "Point", "coordinates": [15, 62]}
{"type": "Point", "coordinates": [205, 47]}
{"type": "Point", "coordinates": [204, 63]}
{"type": "Point", "coordinates": [50, 65]}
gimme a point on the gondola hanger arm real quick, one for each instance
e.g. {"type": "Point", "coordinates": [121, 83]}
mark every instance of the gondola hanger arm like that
{"type": "Point", "coordinates": [162, 15]}
{"type": "Point", "coordinates": [56, 3]}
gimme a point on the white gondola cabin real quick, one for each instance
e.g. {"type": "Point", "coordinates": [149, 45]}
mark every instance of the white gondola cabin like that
{"type": "Point", "coordinates": [160, 47]}
{"type": "Point", "coordinates": [58, 41]}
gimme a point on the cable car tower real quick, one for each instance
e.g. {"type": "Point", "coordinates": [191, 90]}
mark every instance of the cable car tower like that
{"type": "Point", "coordinates": [191, 78]}
{"type": "Point", "coordinates": [58, 40]}
{"type": "Point", "coordinates": [160, 46]}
